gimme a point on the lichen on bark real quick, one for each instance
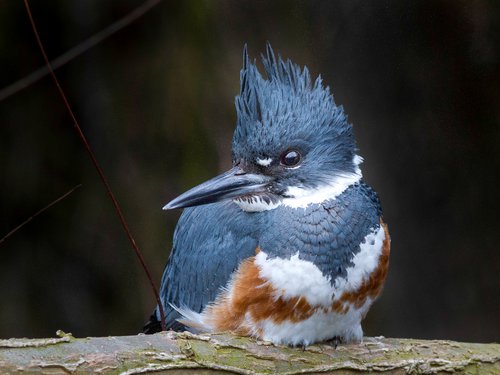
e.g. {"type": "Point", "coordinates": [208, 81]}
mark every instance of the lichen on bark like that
{"type": "Point", "coordinates": [203, 354]}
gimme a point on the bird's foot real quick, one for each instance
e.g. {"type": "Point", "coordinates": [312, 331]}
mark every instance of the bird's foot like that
{"type": "Point", "coordinates": [334, 341]}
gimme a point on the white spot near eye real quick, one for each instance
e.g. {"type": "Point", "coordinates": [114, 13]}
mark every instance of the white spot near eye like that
{"type": "Point", "coordinates": [264, 162]}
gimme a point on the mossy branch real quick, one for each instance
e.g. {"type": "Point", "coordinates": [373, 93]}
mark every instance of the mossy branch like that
{"type": "Point", "coordinates": [203, 354]}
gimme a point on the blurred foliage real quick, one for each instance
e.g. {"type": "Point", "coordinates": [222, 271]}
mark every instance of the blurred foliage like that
{"type": "Point", "coordinates": [419, 81]}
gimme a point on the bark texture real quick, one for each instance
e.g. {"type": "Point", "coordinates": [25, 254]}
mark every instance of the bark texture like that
{"type": "Point", "coordinates": [181, 353]}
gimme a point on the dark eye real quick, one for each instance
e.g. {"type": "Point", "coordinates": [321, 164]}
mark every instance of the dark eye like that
{"type": "Point", "coordinates": [290, 158]}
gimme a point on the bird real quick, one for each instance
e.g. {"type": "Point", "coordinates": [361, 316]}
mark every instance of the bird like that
{"type": "Point", "coordinates": [288, 246]}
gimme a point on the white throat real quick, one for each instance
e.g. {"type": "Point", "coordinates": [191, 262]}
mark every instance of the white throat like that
{"type": "Point", "coordinates": [301, 197]}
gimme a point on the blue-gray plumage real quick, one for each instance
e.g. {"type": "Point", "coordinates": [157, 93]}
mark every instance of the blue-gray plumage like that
{"type": "Point", "coordinates": [325, 234]}
{"type": "Point", "coordinates": [295, 193]}
{"type": "Point", "coordinates": [209, 243]}
{"type": "Point", "coordinates": [288, 111]}
{"type": "Point", "coordinates": [213, 240]}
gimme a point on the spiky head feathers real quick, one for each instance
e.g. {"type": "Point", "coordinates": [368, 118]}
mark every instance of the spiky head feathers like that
{"type": "Point", "coordinates": [286, 110]}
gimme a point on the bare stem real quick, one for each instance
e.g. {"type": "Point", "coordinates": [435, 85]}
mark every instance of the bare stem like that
{"type": "Point", "coordinates": [78, 49]}
{"type": "Point", "coordinates": [98, 168]}
{"type": "Point", "coordinates": [38, 213]}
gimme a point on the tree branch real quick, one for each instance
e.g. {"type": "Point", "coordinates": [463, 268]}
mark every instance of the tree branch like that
{"type": "Point", "coordinates": [204, 354]}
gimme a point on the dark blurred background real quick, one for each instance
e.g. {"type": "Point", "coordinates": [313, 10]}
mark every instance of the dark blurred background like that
{"type": "Point", "coordinates": [419, 80]}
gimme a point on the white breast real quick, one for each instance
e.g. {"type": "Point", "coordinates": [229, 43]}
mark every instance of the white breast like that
{"type": "Point", "coordinates": [319, 327]}
{"type": "Point", "coordinates": [295, 277]}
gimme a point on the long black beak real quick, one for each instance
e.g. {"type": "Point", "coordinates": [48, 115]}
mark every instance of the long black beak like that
{"type": "Point", "coordinates": [230, 184]}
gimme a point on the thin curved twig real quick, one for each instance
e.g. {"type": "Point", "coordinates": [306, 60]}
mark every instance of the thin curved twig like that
{"type": "Point", "coordinates": [98, 168]}
{"type": "Point", "coordinates": [78, 49]}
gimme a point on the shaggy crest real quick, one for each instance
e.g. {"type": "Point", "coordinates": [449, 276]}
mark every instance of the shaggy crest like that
{"type": "Point", "coordinates": [270, 109]}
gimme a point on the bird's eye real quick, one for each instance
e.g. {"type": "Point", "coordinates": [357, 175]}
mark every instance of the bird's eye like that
{"type": "Point", "coordinates": [290, 158]}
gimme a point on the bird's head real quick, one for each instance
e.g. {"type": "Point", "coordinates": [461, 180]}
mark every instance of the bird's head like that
{"type": "Point", "coordinates": [292, 144]}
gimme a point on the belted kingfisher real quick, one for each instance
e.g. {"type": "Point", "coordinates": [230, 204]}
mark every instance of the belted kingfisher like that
{"type": "Point", "coordinates": [289, 245]}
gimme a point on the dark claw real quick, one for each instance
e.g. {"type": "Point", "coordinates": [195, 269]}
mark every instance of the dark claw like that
{"type": "Point", "coordinates": [335, 341]}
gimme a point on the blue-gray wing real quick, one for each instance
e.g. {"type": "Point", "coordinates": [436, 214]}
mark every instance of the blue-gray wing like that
{"type": "Point", "coordinates": [209, 243]}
